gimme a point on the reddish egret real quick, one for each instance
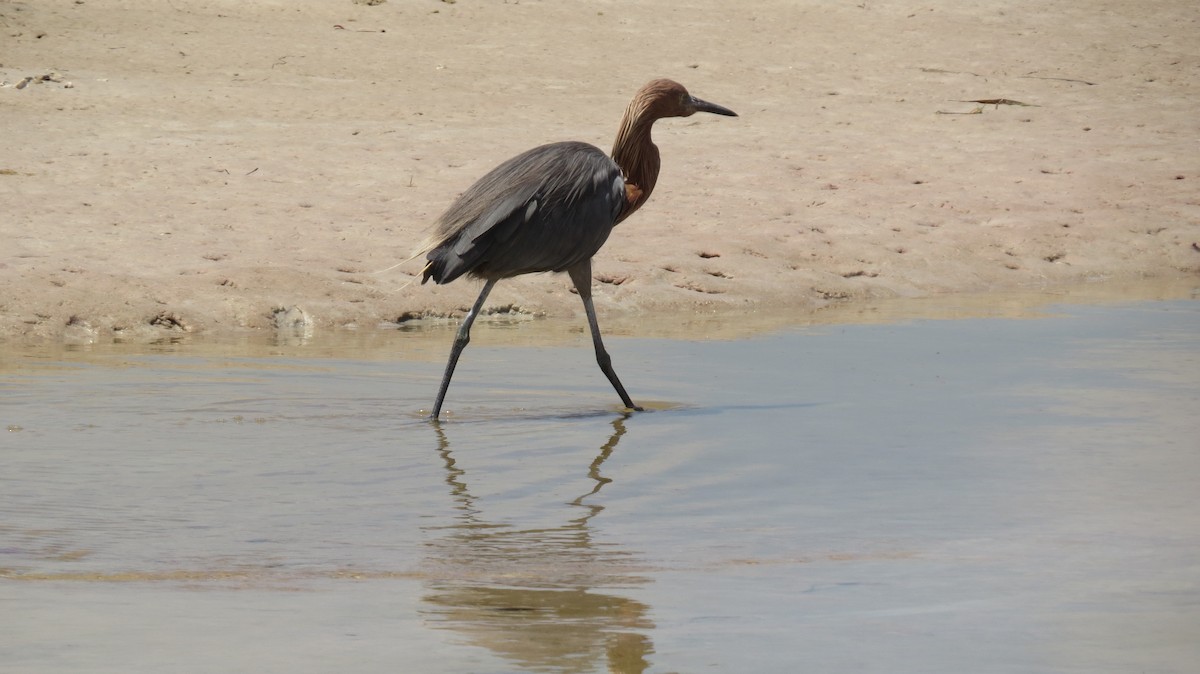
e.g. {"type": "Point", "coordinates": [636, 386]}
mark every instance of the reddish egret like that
{"type": "Point", "coordinates": [551, 209]}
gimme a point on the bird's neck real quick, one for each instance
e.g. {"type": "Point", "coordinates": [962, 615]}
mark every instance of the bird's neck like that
{"type": "Point", "coordinates": [637, 156]}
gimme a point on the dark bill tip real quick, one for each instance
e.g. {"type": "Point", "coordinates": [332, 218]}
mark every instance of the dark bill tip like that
{"type": "Point", "coordinates": [705, 106]}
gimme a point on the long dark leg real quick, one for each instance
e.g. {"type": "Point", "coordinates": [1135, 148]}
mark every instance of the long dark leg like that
{"type": "Point", "coordinates": [460, 342]}
{"type": "Point", "coordinates": [581, 276]}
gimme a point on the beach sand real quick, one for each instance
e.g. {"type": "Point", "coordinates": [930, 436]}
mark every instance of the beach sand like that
{"type": "Point", "coordinates": [219, 166]}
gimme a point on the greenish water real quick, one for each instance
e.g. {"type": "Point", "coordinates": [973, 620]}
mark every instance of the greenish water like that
{"type": "Point", "coordinates": [982, 495]}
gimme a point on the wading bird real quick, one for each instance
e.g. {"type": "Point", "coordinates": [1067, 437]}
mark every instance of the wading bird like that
{"type": "Point", "coordinates": [551, 209]}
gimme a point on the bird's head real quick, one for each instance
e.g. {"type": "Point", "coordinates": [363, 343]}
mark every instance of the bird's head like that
{"type": "Point", "coordinates": [667, 98]}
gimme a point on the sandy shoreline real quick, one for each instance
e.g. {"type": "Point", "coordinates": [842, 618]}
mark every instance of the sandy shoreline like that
{"type": "Point", "coordinates": [200, 167]}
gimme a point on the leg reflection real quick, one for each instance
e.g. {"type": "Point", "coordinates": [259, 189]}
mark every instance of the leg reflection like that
{"type": "Point", "coordinates": [539, 597]}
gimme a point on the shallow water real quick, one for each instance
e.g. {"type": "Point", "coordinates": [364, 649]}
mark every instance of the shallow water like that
{"type": "Point", "coordinates": [983, 495]}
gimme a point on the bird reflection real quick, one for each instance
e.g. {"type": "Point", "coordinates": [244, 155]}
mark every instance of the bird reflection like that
{"type": "Point", "coordinates": [530, 595]}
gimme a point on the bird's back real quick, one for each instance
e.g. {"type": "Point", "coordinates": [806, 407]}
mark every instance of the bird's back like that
{"type": "Point", "coordinates": [547, 209]}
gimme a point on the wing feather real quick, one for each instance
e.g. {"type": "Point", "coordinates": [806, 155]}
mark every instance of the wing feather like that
{"type": "Point", "coordinates": [544, 210]}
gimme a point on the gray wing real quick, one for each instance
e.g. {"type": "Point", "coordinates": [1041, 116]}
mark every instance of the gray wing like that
{"type": "Point", "coordinates": [544, 210]}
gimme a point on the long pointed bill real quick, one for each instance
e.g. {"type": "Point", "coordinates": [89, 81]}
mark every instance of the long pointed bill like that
{"type": "Point", "coordinates": [705, 106]}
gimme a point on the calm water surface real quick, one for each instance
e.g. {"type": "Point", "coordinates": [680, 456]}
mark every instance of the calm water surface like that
{"type": "Point", "coordinates": [986, 495]}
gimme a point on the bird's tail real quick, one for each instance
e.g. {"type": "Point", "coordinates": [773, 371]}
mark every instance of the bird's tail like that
{"type": "Point", "coordinates": [443, 265]}
{"type": "Point", "coordinates": [431, 243]}
{"type": "Point", "coordinates": [425, 246]}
